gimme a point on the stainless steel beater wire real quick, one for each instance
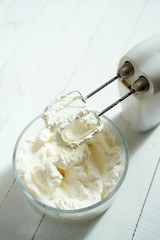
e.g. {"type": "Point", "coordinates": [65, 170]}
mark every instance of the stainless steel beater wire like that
{"type": "Point", "coordinates": [115, 103]}
{"type": "Point", "coordinates": [101, 87]}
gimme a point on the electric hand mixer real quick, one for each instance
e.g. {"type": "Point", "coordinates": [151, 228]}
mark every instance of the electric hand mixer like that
{"type": "Point", "coordinates": [139, 77]}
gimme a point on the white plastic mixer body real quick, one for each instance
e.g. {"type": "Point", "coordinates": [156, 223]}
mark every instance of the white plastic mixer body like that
{"type": "Point", "coordinates": [142, 111]}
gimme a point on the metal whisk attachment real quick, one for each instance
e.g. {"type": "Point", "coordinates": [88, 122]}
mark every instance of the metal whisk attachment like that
{"type": "Point", "coordinates": [141, 85]}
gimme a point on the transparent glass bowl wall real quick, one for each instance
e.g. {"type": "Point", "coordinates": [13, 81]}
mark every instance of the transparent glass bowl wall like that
{"type": "Point", "coordinates": [79, 214]}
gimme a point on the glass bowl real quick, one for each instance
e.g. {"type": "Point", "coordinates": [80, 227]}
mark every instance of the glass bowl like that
{"type": "Point", "coordinates": [83, 213]}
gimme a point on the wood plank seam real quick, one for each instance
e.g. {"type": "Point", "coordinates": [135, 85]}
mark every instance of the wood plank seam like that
{"type": "Point", "coordinates": [38, 226]}
{"type": "Point", "coordinates": [145, 200]}
{"type": "Point", "coordinates": [59, 33]}
{"type": "Point", "coordinates": [48, 51]}
{"type": "Point", "coordinates": [5, 197]}
{"type": "Point", "coordinates": [27, 30]}
{"type": "Point", "coordinates": [8, 8]}
{"type": "Point", "coordinates": [135, 25]}
{"type": "Point", "coordinates": [89, 43]}
{"type": "Point", "coordinates": [85, 230]}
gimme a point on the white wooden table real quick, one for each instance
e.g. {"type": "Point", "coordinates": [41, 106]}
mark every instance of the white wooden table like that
{"type": "Point", "coordinates": [46, 48]}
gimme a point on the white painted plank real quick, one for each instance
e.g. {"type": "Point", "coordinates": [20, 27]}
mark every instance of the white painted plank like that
{"type": "Point", "coordinates": [60, 64]}
{"type": "Point", "coordinates": [4, 6]}
{"type": "Point", "coordinates": [17, 220]}
{"type": "Point", "coordinates": [70, 47]}
{"type": "Point", "coordinates": [43, 36]}
{"type": "Point", "coordinates": [60, 230]}
{"type": "Point", "coordinates": [16, 17]}
{"type": "Point", "coordinates": [148, 24]}
{"type": "Point", "coordinates": [30, 53]}
{"type": "Point", "coordinates": [148, 226]}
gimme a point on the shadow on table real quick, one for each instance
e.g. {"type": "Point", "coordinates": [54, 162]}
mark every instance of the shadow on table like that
{"type": "Point", "coordinates": [17, 219]}
{"type": "Point", "coordinates": [66, 230]}
{"type": "Point", "coordinates": [6, 183]}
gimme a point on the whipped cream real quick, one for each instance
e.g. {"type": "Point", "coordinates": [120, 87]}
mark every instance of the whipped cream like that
{"type": "Point", "coordinates": [59, 104]}
{"type": "Point", "coordinates": [73, 132]}
{"type": "Point", "coordinates": [65, 178]}
{"type": "Point", "coordinates": [67, 126]}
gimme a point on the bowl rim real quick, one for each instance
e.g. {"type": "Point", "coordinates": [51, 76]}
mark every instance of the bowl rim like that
{"type": "Point", "coordinates": [71, 211]}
